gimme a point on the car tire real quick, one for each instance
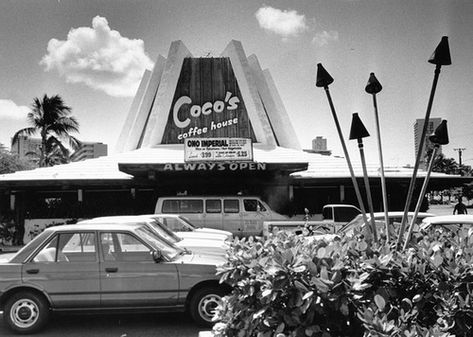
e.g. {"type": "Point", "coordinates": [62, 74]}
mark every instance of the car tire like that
{"type": "Point", "coordinates": [26, 312]}
{"type": "Point", "coordinates": [203, 303]}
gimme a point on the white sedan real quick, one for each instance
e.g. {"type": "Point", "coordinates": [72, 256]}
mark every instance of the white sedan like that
{"type": "Point", "coordinates": [186, 230]}
{"type": "Point", "coordinates": [197, 245]}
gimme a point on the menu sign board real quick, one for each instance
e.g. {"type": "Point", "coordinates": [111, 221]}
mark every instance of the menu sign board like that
{"type": "Point", "coordinates": [218, 149]}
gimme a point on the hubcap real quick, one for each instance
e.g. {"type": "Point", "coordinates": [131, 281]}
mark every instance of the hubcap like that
{"type": "Point", "coordinates": [207, 306]}
{"type": "Point", "coordinates": [24, 313]}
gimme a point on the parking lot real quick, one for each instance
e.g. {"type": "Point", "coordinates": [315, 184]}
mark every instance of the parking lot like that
{"type": "Point", "coordinates": [117, 325]}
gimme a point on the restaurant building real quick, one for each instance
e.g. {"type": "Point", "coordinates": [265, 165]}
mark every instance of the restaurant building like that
{"type": "Point", "coordinates": [197, 126]}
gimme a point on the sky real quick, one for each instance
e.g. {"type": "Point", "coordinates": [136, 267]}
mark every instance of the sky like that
{"type": "Point", "coordinates": [93, 54]}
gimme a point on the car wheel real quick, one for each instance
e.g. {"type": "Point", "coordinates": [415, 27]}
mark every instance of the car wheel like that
{"type": "Point", "coordinates": [26, 312]}
{"type": "Point", "coordinates": [203, 304]}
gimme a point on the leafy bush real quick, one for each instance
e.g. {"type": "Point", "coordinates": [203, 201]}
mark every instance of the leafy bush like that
{"type": "Point", "coordinates": [292, 285]}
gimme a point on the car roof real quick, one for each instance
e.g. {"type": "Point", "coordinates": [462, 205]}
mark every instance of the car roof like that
{"type": "Point", "coordinates": [118, 219]}
{"type": "Point", "coordinates": [92, 226]}
{"type": "Point", "coordinates": [449, 219]}
{"type": "Point", "coordinates": [398, 214]}
{"type": "Point", "coordinates": [340, 205]}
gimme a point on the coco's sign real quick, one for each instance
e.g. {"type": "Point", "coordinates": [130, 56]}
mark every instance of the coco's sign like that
{"type": "Point", "coordinates": [229, 103]}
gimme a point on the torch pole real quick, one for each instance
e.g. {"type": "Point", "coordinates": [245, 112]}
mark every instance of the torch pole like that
{"type": "Point", "coordinates": [418, 157]}
{"type": "Point", "coordinates": [421, 196]}
{"type": "Point", "coordinates": [381, 163]}
{"type": "Point", "coordinates": [367, 189]}
{"type": "Point", "coordinates": [347, 157]}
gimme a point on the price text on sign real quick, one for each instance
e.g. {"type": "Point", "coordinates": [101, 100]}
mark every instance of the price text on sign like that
{"type": "Point", "coordinates": [218, 149]}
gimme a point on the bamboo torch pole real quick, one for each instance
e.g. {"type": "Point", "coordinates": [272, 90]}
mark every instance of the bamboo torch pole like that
{"type": "Point", "coordinates": [441, 56]}
{"type": "Point", "coordinates": [440, 137]}
{"type": "Point", "coordinates": [358, 132]}
{"type": "Point", "coordinates": [373, 87]}
{"type": "Point", "coordinates": [324, 80]}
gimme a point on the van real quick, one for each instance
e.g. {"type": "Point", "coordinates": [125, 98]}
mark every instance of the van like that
{"type": "Point", "coordinates": [241, 215]}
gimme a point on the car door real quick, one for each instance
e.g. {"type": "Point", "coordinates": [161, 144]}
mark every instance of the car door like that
{"type": "Point", "coordinates": [213, 215]}
{"type": "Point", "coordinates": [232, 216]}
{"type": "Point", "coordinates": [253, 215]}
{"type": "Point", "coordinates": [129, 277]}
{"type": "Point", "coordinates": [67, 269]}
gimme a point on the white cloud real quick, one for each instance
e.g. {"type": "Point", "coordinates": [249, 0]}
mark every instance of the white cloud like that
{"type": "Point", "coordinates": [12, 119]}
{"type": "Point", "coordinates": [282, 22]}
{"type": "Point", "coordinates": [10, 111]}
{"type": "Point", "coordinates": [323, 38]}
{"type": "Point", "coordinates": [100, 58]}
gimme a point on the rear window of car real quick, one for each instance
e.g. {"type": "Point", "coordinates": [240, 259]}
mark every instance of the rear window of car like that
{"type": "Point", "coordinates": [183, 206]}
{"type": "Point", "coordinates": [345, 214]}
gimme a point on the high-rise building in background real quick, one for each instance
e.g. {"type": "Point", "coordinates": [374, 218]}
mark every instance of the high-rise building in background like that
{"type": "Point", "coordinates": [89, 150]}
{"type": "Point", "coordinates": [428, 146]}
{"type": "Point", "coordinates": [30, 148]}
{"type": "Point", "coordinates": [319, 145]}
{"type": "Point", "coordinates": [27, 148]}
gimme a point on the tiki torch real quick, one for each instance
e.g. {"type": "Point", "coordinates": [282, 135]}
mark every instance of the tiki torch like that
{"type": "Point", "coordinates": [373, 87]}
{"type": "Point", "coordinates": [358, 132]}
{"type": "Point", "coordinates": [439, 137]}
{"type": "Point", "coordinates": [324, 80]}
{"type": "Point", "coordinates": [440, 57]}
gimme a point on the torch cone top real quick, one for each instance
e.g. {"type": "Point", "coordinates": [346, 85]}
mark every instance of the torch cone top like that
{"type": "Point", "coordinates": [357, 130]}
{"type": "Point", "coordinates": [323, 77]}
{"type": "Point", "coordinates": [440, 135]}
{"type": "Point", "coordinates": [441, 55]}
{"type": "Point", "coordinates": [373, 86]}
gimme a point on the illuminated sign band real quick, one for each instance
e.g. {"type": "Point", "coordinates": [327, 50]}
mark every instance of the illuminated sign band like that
{"type": "Point", "coordinates": [218, 149]}
{"type": "Point", "coordinates": [239, 166]}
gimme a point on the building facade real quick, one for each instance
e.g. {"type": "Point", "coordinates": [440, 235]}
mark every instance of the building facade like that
{"type": "Point", "coordinates": [90, 150]}
{"type": "Point", "coordinates": [27, 147]}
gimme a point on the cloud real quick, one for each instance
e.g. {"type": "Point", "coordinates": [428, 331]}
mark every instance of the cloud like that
{"type": "Point", "coordinates": [100, 58]}
{"type": "Point", "coordinates": [9, 110]}
{"type": "Point", "coordinates": [285, 23]}
{"type": "Point", "coordinates": [323, 38]}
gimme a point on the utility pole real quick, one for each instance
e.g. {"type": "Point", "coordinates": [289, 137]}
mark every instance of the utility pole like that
{"type": "Point", "coordinates": [460, 151]}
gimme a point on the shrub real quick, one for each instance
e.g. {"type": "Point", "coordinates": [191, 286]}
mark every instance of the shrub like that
{"type": "Point", "coordinates": [292, 285]}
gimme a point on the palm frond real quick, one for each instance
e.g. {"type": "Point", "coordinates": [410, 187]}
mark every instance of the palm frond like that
{"type": "Point", "coordinates": [23, 132]}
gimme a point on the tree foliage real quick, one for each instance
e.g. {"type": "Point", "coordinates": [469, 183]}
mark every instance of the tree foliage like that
{"type": "Point", "coordinates": [10, 163]}
{"type": "Point", "coordinates": [51, 118]}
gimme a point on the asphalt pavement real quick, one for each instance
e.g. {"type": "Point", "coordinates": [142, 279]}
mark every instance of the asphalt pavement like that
{"type": "Point", "coordinates": [116, 325]}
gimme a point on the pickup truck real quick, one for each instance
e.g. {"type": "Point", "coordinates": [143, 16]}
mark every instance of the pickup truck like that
{"type": "Point", "coordinates": [334, 216]}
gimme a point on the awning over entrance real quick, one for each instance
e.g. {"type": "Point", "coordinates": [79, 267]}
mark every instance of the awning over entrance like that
{"type": "Point", "coordinates": [169, 159]}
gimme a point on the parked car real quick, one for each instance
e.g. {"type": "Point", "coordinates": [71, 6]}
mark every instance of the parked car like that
{"type": "Point", "coordinates": [333, 217]}
{"type": "Point", "coordinates": [395, 218]}
{"type": "Point", "coordinates": [461, 223]}
{"type": "Point", "coordinates": [197, 244]}
{"type": "Point", "coordinates": [94, 267]}
{"type": "Point", "coordinates": [185, 229]}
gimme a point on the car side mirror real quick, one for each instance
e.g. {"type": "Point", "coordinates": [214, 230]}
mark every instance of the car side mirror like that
{"type": "Point", "coordinates": [157, 256]}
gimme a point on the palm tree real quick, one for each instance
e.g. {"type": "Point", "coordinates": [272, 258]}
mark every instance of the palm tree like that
{"type": "Point", "coordinates": [50, 117]}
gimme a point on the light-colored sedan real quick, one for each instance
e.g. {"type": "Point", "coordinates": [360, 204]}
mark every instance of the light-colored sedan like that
{"type": "Point", "coordinates": [105, 268]}
{"type": "Point", "coordinates": [185, 229]}
{"type": "Point", "coordinates": [395, 218]}
{"type": "Point", "coordinates": [452, 223]}
{"type": "Point", "coordinates": [198, 245]}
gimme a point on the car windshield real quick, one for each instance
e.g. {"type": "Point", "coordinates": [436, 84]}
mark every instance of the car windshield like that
{"type": "Point", "coordinates": [169, 250]}
{"type": "Point", "coordinates": [175, 223]}
{"type": "Point", "coordinates": [186, 222]}
{"type": "Point", "coordinates": [163, 231]}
